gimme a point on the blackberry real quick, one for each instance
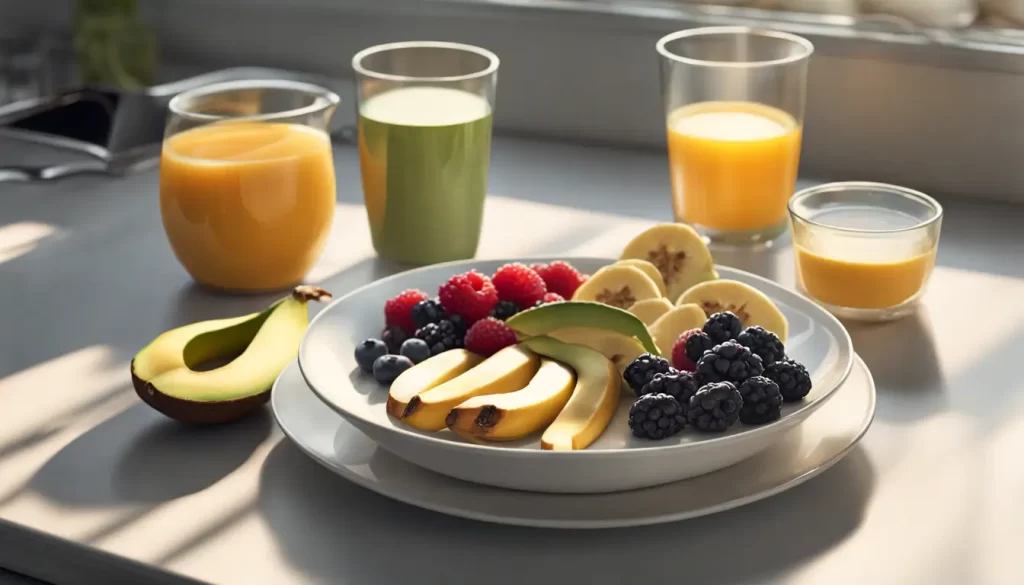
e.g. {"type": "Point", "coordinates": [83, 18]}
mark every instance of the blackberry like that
{"type": "Point", "coordinates": [722, 327]}
{"type": "Point", "coordinates": [458, 323]}
{"type": "Point", "coordinates": [643, 369]}
{"type": "Point", "coordinates": [393, 338]}
{"type": "Point", "coordinates": [697, 344]}
{"type": "Point", "coordinates": [656, 416]}
{"type": "Point", "coordinates": [504, 309]}
{"type": "Point", "coordinates": [793, 380]}
{"type": "Point", "coordinates": [426, 312]}
{"type": "Point", "coordinates": [728, 362]}
{"type": "Point", "coordinates": [678, 385]}
{"type": "Point", "coordinates": [764, 343]}
{"type": "Point", "coordinates": [762, 401]}
{"type": "Point", "coordinates": [715, 407]}
{"type": "Point", "coordinates": [441, 336]}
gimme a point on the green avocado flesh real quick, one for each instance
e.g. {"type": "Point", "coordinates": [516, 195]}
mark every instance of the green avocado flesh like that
{"type": "Point", "coordinates": [264, 342]}
{"type": "Point", "coordinates": [552, 316]}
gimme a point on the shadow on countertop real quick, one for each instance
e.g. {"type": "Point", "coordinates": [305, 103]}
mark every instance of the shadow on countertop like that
{"type": "Point", "coordinates": [327, 526]}
{"type": "Point", "coordinates": [905, 364]}
{"type": "Point", "coordinates": [139, 457]}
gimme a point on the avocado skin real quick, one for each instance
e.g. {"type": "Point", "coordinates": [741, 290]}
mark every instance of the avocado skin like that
{"type": "Point", "coordinates": [195, 412]}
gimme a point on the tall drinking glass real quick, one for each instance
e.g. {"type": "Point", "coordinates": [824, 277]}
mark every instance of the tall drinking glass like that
{"type": "Point", "coordinates": [247, 187]}
{"type": "Point", "coordinates": [734, 105]}
{"type": "Point", "coordinates": [425, 112]}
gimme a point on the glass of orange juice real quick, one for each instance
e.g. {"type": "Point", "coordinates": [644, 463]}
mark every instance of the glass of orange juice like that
{"type": "Point", "coordinates": [734, 105]}
{"type": "Point", "coordinates": [865, 251]}
{"type": "Point", "coordinates": [247, 187]}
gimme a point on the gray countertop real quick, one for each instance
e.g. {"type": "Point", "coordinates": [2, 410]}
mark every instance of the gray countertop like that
{"type": "Point", "coordinates": [97, 488]}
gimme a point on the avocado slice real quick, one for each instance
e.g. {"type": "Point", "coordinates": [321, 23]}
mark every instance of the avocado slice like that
{"type": "Point", "coordinates": [164, 374]}
{"type": "Point", "coordinates": [620, 349]}
{"type": "Point", "coordinates": [553, 316]}
{"type": "Point", "coordinates": [594, 399]}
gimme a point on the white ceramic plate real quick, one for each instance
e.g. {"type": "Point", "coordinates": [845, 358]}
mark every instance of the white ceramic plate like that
{"type": "Point", "coordinates": [617, 460]}
{"type": "Point", "coordinates": [820, 442]}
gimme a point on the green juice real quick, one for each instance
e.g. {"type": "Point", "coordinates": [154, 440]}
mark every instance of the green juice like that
{"type": "Point", "coordinates": [424, 155]}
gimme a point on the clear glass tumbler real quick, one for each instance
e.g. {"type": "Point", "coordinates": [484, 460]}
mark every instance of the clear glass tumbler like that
{"type": "Point", "coordinates": [247, 186]}
{"type": "Point", "coordinates": [734, 106]}
{"type": "Point", "coordinates": [865, 251]}
{"type": "Point", "coordinates": [425, 111]}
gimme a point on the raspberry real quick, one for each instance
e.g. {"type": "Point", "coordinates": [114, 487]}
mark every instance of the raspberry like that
{"type": "Point", "coordinates": [489, 335]}
{"type": "Point", "coordinates": [552, 298]}
{"type": "Point", "coordinates": [470, 296]}
{"type": "Point", "coordinates": [560, 277]}
{"type": "Point", "coordinates": [680, 359]}
{"type": "Point", "coordinates": [398, 310]}
{"type": "Point", "coordinates": [519, 284]}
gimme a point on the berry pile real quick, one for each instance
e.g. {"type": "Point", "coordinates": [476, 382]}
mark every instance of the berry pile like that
{"type": "Point", "coordinates": [468, 312]}
{"type": "Point", "coordinates": [719, 374]}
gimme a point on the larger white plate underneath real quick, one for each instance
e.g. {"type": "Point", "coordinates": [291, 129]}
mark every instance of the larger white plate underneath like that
{"type": "Point", "coordinates": [807, 450]}
{"type": "Point", "coordinates": [617, 461]}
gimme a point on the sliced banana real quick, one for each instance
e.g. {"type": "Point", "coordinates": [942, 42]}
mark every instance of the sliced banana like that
{"type": "Point", "coordinates": [618, 286]}
{"type": "Point", "coordinates": [667, 329]}
{"type": "Point", "coordinates": [648, 310]}
{"type": "Point", "coordinates": [745, 301]}
{"type": "Point", "coordinates": [648, 269]}
{"type": "Point", "coordinates": [679, 254]}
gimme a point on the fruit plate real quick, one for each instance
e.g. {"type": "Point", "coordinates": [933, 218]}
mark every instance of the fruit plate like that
{"type": "Point", "coordinates": [818, 444]}
{"type": "Point", "coordinates": [616, 461]}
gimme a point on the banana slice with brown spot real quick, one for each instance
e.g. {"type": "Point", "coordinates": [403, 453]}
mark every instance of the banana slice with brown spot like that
{"type": "Point", "coordinates": [752, 306]}
{"type": "Point", "coordinates": [679, 254]}
{"type": "Point", "coordinates": [649, 269]}
{"type": "Point", "coordinates": [618, 286]}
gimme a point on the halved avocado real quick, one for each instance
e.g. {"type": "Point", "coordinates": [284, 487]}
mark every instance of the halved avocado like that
{"type": "Point", "coordinates": [164, 372]}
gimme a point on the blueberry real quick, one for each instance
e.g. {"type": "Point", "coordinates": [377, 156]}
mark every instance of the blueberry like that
{"type": "Point", "coordinates": [388, 367]}
{"type": "Point", "coordinates": [367, 352]}
{"type": "Point", "coordinates": [415, 349]}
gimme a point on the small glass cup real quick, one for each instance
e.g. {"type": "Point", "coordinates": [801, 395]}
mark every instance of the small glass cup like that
{"type": "Point", "coordinates": [425, 114]}
{"type": "Point", "coordinates": [247, 186]}
{"type": "Point", "coordinates": [734, 106]}
{"type": "Point", "coordinates": [864, 251]}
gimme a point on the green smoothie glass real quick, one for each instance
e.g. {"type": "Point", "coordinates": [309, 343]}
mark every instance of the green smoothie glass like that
{"type": "Point", "coordinates": [425, 111]}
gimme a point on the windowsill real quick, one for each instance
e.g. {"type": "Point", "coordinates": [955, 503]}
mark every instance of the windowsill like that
{"type": "Point", "coordinates": [933, 110]}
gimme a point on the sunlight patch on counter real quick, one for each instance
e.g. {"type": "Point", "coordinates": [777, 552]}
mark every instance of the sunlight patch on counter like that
{"type": "Point", "coordinates": [348, 243]}
{"type": "Point", "coordinates": [18, 239]}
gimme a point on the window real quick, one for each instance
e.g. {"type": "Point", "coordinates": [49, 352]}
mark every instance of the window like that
{"type": "Point", "coordinates": [947, 14]}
